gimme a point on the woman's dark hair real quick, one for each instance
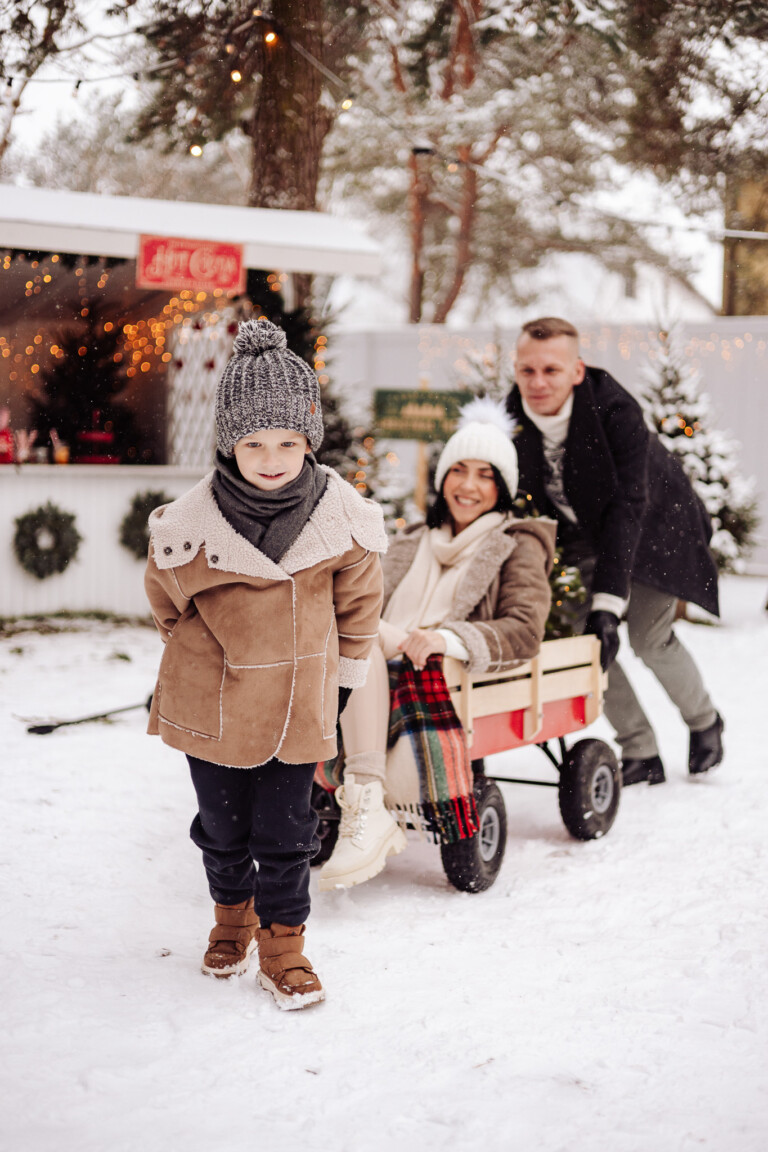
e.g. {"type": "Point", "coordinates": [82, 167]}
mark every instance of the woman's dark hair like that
{"type": "Point", "coordinates": [438, 513]}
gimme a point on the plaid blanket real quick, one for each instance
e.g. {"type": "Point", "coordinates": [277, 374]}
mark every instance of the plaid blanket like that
{"type": "Point", "coordinates": [424, 729]}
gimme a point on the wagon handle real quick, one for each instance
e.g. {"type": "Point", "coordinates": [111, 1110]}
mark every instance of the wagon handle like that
{"type": "Point", "coordinates": [465, 704]}
{"type": "Point", "coordinates": [593, 702]}
{"type": "Point", "coordinates": [533, 716]}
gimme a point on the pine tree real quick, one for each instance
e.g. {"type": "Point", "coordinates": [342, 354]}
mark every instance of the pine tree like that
{"type": "Point", "coordinates": [568, 595]}
{"type": "Point", "coordinates": [79, 389]}
{"type": "Point", "coordinates": [681, 414]}
{"type": "Point", "coordinates": [487, 373]}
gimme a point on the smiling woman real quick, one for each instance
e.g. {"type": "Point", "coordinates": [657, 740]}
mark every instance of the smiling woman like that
{"type": "Point", "coordinates": [472, 583]}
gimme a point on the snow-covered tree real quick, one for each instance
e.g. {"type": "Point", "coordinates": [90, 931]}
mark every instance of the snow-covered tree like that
{"type": "Point", "coordinates": [681, 414]}
{"type": "Point", "coordinates": [483, 134]}
{"type": "Point", "coordinates": [463, 141]}
{"type": "Point", "coordinates": [30, 32]}
{"type": "Point", "coordinates": [479, 132]}
{"type": "Point", "coordinates": [488, 371]}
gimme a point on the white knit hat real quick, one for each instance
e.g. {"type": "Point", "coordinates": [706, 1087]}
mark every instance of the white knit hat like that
{"type": "Point", "coordinates": [484, 433]}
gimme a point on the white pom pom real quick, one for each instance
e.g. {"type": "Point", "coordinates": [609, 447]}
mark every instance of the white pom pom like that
{"type": "Point", "coordinates": [483, 410]}
{"type": "Point", "coordinates": [257, 336]}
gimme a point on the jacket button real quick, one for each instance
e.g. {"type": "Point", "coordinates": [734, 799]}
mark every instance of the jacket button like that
{"type": "Point", "coordinates": [214, 559]}
{"type": "Point", "coordinates": [168, 550]}
{"type": "Point", "coordinates": [187, 545]}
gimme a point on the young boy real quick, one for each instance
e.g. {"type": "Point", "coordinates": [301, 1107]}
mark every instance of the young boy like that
{"type": "Point", "coordinates": [265, 585]}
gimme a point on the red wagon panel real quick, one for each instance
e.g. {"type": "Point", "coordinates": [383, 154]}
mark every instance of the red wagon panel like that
{"type": "Point", "coordinates": [504, 731]}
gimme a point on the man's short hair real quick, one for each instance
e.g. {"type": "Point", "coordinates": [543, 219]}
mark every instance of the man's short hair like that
{"type": "Point", "coordinates": [548, 327]}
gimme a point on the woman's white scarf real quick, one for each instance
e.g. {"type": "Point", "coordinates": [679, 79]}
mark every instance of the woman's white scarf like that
{"type": "Point", "coordinates": [424, 597]}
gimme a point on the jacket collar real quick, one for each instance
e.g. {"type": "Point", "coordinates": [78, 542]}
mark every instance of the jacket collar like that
{"type": "Point", "coordinates": [342, 517]}
{"type": "Point", "coordinates": [485, 567]}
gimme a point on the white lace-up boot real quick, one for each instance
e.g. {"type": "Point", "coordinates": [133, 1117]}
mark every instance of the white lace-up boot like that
{"type": "Point", "coordinates": [367, 835]}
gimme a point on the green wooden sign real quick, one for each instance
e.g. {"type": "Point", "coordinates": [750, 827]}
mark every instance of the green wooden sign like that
{"type": "Point", "coordinates": [417, 414]}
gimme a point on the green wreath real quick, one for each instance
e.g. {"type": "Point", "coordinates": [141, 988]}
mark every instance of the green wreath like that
{"type": "Point", "coordinates": [46, 540]}
{"type": "Point", "coordinates": [134, 533]}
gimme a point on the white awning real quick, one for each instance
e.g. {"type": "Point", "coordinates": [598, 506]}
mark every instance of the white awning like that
{"type": "Point", "coordinates": [42, 219]}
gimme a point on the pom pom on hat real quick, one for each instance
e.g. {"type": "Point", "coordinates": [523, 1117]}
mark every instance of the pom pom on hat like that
{"type": "Point", "coordinates": [265, 385]}
{"type": "Point", "coordinates": [484, 432]}
{"type": "Point", "coordinates": [257, 336]}
{"type": "Point", "coordinates": [483, 410]}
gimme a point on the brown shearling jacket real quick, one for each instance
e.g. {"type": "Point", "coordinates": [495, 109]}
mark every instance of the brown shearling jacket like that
{"type": "Point", "coordinates": [501, 605]}
{"type": "Point", "coordinates": [255, 652]}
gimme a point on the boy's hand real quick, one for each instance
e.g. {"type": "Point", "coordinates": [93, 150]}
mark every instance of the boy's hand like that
{"type": "Point", "coordinates": [421, 644]}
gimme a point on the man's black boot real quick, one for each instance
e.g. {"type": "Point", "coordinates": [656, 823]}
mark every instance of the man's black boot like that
{"type": "Point", "coordinates": [705, 750]}
{"type": "Point", "coordinates": [638, 771]}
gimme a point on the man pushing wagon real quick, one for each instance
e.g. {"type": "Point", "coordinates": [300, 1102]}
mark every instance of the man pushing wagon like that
{"type": "Point", "coordinates": [629, 518]}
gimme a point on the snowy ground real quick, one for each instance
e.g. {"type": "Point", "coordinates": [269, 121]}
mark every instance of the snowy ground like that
{"type": "Point", "coordinates": [601, 997]}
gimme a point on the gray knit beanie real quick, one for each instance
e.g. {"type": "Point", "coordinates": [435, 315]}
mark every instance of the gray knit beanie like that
{"type": "Point", "coordinates": [264, 385]}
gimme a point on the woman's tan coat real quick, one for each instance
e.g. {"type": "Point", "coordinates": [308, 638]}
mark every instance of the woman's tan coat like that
{"type": "Point", "coordinates": [255, 651]}
{"type": "Point", "coordinates": [501, 604]}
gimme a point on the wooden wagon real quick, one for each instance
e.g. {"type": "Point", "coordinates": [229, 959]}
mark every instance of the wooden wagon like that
{"type": "Point", "coordinates": [558, 693]}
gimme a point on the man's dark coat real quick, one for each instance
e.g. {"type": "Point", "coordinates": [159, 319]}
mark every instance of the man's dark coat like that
{"type": "Point", "coordinates": [634, 504]}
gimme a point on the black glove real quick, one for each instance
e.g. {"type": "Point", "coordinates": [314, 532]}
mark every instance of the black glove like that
{"type": "Point", "coordinates": [344, 695]}
{"type": "Point", "coordinates": [605, 625]}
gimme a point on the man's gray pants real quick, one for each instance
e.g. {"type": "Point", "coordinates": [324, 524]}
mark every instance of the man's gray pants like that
{"type": "Point", "coordinates": [650, 617]}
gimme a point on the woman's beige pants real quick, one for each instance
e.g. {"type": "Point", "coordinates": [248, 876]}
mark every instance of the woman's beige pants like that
{"type": "Point", "coordinates": [365, 720]}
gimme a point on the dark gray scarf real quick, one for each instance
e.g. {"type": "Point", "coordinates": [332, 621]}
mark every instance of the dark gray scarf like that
{"type": "Point", "coordinates": [271, 521]}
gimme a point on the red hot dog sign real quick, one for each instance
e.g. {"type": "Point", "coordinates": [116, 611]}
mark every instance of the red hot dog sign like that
{"type": "Point", "coordinates": [169, 262]}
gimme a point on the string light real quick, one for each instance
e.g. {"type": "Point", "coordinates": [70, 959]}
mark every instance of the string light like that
{"type": "Point", "coordinates": [236, 76]}
{"type": "Point", "coordinates": [143, 344]}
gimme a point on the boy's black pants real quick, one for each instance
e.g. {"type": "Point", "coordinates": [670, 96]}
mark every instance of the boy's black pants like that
{"type": "Point", "coordinates": [261, 814]}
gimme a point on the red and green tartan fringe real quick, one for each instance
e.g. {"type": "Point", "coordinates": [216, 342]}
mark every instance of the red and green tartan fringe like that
{"type": "Point", "coordinates": [451, 820]}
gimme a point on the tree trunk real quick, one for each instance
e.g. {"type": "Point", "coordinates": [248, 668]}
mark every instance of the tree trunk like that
{"type": "Point", "coordinates": [289, 126]}
{"type": "Point", "coordinates": [289, 123]}
{"type": "Point", "coordinates": [419, 196]}
{"type": "Point", "coordinates": [463, 241]}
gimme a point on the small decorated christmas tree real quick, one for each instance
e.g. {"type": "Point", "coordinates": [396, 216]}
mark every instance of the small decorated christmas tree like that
{"type": "Point", "coordinates": [681, 414]}
{"type": "Point", "coordinates": [489, 372]}
{"type": "Point", "coordinates": [77, 398]}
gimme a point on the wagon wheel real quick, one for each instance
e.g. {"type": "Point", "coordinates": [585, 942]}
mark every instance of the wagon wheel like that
{"type": "Point", "coordinates": [473, 865]}
{"type": "Point", "coordinates": [328, 813]}
{"type": "Point", "coordinates": [590, 789]}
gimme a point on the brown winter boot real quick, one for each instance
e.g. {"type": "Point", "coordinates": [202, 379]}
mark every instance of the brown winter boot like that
{"type": "Point", "coordinates": [231, 940]}
{"type": "Point", "coordinates": [284, 971]}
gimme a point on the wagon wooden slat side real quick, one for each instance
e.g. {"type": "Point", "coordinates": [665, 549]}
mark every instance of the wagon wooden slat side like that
{"type": "Point", "coordinates": [559, 692]}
